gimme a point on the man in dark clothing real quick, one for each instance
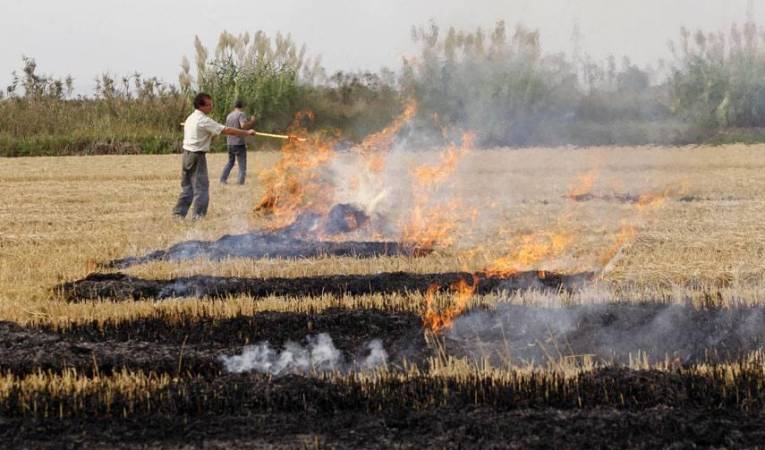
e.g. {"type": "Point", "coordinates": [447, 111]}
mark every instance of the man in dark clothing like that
{"type": "Point", "coordinates": [198, 132]}
{"type": "Point", "coordinates": [237, 147]}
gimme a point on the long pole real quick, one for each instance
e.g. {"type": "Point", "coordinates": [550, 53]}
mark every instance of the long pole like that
{"type": "Point", "coordinates": [277, 136]}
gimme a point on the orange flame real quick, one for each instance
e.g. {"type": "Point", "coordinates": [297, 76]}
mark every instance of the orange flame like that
{"type": "Point", "coordinates": [534, 248]}
{"type": "Point", "coordinates": [431, 223]}
{"type": "Point", "coordinates": [626, 234]}
{"type": "Point", "coordinates": [584, 185]}
{"type": "Point", "coordinates": [463, 292]}
{"type": "Point", "coordinates": [295, 184]}
{"type": "Point", "coordinates": [374, 147]}
{"type": "Point", "coordinates": [651, 200]}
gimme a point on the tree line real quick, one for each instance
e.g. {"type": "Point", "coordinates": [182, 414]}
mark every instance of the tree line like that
{"type": "Point", "coordinates": [498, 83]}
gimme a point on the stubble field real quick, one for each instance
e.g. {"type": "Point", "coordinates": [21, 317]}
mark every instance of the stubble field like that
{"type": "Point", "coordinates": [650, 316]}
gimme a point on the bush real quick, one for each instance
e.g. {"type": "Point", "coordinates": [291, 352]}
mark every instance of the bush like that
{"type": "Point", "coordinates": [503, 89]}
{"type": "Point", "coordinates": [262, 72]}
{"type": "Point", "coordinates": [718, 81]}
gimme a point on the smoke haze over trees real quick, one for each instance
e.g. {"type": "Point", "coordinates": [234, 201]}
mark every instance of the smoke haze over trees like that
{"type": "Point", "coordinates": [497, 82]}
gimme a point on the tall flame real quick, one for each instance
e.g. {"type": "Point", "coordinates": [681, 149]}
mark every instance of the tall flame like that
{"type": "Point", "coordinates": [430, 221]}
{"type": "Point", "coordinates": [295, 184]}
{"type": "Point", "coordinates": [375, 146]}
{"type": "Point", "coordinates": [463, 292]}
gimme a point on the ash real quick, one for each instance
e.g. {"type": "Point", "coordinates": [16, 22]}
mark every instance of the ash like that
{"type": "Point", "coordinates": [304, 238]}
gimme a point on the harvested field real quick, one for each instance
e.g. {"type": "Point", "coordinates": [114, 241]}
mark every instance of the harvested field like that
{"type": "Point", "coordinates": [643, 312]}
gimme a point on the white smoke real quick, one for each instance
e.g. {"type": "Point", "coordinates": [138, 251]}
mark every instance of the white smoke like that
{"type": "Point", "coordinates": [606, 333]}
{"type": "Point", "coordinates": [319, 355]}
{"type": "Point", "coordinates": [377, 357]}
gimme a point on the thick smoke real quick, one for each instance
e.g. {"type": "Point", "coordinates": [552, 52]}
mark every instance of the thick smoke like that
{"type": "Point", "coordinates": [319, 355]}
{"type": "Point", "coordinates": [608, 333]}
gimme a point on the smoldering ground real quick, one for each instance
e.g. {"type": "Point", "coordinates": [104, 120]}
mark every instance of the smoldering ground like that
{"type": "Point", "coordinates": [304, 238]}
{"type": "Point", "coordinates": [319, 355]}
{"type": "Point", "coordinates": [121, 287]}
{"type": "Point", "coordinates": [607, 334]}
{"type": "Point", "coordinates": [361, 340]}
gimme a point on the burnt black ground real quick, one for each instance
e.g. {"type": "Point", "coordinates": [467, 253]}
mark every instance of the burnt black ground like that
{"type": "Point", "coordinates": [118, 286]}
{"type": "Point", "coordinates": [165, 345]}
{"type": "Point", "coordinates": [659, 409]}
{"type": "Point", "coordinates": [544, 428]}
{"type": "Point", "coordinates": [613, 197]}
{"type": "Point", "coordinates": [610, 333]}
{"type": "Point", "coordinates": [264, 245]}
{"type": "Point", "coordinates": [306, 237]}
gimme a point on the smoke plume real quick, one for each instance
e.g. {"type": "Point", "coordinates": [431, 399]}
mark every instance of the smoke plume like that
{"type": "Point", "coordinates": [319, 355]}
{"type": "Point", "coordinates": [608, 334]}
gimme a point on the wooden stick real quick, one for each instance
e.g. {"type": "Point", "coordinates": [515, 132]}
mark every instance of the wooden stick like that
{"type": "Point", "coordinates": [277, 136]}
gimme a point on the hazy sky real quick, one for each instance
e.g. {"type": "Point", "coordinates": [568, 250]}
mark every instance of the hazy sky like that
{"type": "Point", "coordinates": [87, 37]}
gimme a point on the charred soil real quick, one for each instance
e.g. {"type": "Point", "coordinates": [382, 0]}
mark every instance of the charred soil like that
{"type": "Point", "coordinates": [118, 286]}
{"type": "Point", "coordinates": [184, 346]}
{"type": "Point", "coordinates": [472, 427]}
{"type": "Point", "coordinates": [203, 406]}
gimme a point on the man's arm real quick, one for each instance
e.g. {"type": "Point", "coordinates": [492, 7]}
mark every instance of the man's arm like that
{"type": "Point", "coordinates": [247, 124]}
{"type": "Point", "coordinates": [237, 132]}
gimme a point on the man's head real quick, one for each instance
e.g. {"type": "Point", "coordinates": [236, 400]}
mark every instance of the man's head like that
{"type": "Point", "coordinates": [239, 104]}
{"type": "Point", "coordinates": [203, 102]}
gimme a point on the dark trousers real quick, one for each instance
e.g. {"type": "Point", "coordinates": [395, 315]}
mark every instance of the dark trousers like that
{"type": "Point", "coordinates": [236, 153]}
{"type": "Point", "coordinates": [194, 185]}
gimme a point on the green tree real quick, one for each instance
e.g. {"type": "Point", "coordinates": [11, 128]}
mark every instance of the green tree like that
{"type": "Point", "coordinates": [502, 87]}
{"type": "Point", "coordinates": [718, 80]}
{"type": "Point", "coordinates": [266, 73]}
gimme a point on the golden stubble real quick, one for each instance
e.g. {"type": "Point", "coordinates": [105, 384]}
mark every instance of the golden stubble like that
{"type": "Point", "coordinates": [60, 216]}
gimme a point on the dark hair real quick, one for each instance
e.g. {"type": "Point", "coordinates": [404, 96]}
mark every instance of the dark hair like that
{"type": "Point", "coordinates": [201, 99]}
{"type": "Point", "coordinates": [239, 104]}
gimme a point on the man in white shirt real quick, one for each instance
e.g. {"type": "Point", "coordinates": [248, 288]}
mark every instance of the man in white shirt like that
{"type": "Point", "coordinates": [198, 132]}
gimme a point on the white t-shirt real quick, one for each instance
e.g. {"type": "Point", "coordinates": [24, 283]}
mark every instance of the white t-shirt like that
{"type": "Point", "coordinates": [198, 132]}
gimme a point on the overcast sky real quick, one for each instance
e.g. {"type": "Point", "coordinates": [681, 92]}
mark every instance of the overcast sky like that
{"type": "Point", "coordinates": [86, 37]}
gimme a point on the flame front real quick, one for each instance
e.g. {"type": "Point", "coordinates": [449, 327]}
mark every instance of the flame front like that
{"type": "Point", "coordinates": [295, 184]}
{"type": "Point", "coordinates": [375, 147]}
{"type": "Point", "coordinates": [463, 292]}
{"type": "Point", "coordinates": [433, 222]}
{"type": "Point", "coordinates": [534, 248]}
{"type": "Point", "coordinates": [584, 185]}
{"type": "Point", "coordinates": [628, 231]}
